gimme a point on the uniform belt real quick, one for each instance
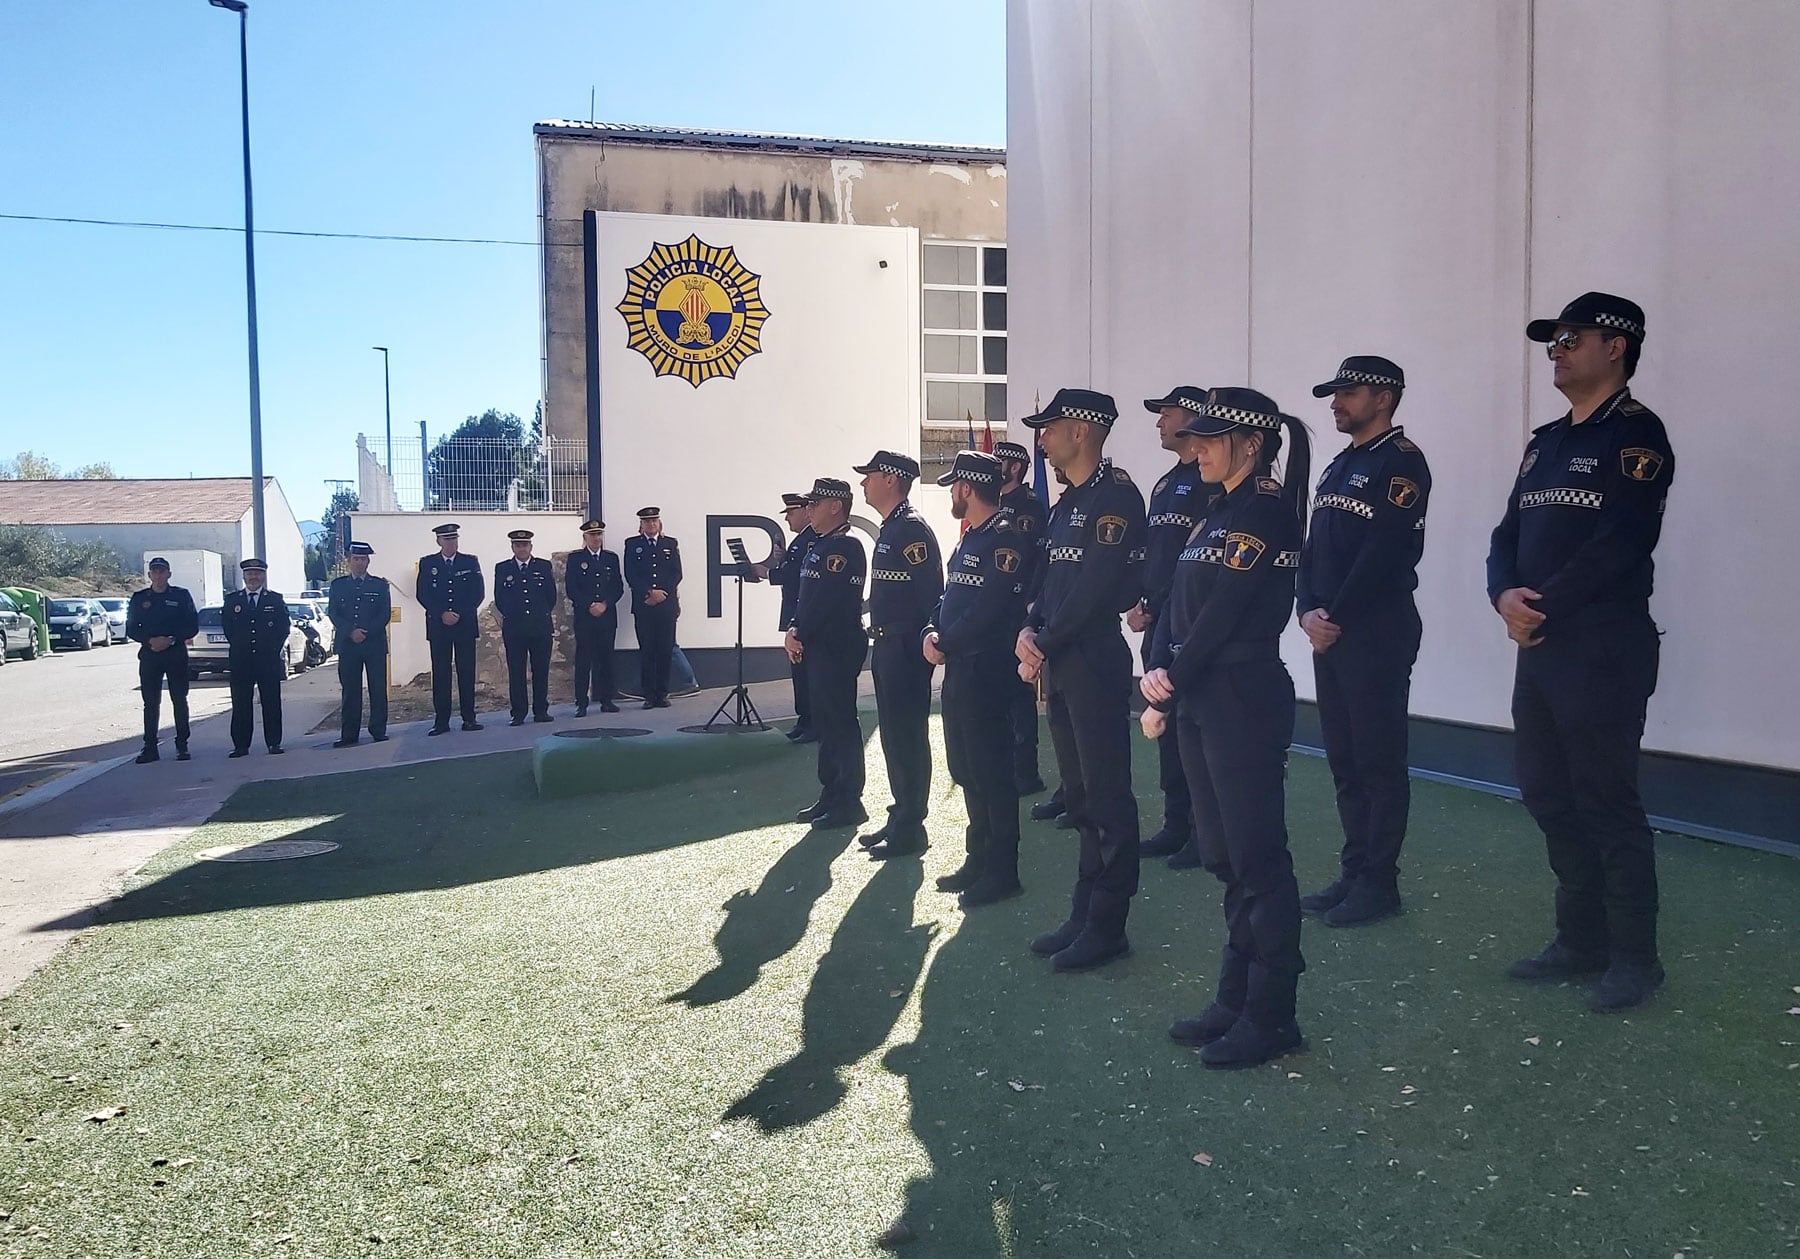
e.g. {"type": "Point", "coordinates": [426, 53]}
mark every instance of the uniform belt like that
{"type": "Point", "coordinates": [1241, 653]}
{"type": "Point", "coordinates": [879, 632]}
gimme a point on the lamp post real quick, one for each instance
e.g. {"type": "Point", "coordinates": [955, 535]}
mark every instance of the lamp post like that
{"type": "Point", "coordinates": [242, 9]}
{"type": "Point", "coordinates": [387, 401]}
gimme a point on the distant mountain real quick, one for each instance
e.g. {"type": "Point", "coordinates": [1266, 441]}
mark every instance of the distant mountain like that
{"type": "Point", "coordinates": [311, 531]}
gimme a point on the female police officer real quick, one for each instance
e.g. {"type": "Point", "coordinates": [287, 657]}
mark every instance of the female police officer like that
{"type": "Point", "coordinates": [1216, 664]}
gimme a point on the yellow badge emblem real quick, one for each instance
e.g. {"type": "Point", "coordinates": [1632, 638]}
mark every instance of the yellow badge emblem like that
{"type": "Point", "coordinates": [834, 563]}
{"type": "Point", "coordinates": [693, 310]}
{"type": "Point", "coordinates": [1110, 530]}
{"type": "Point", "coordinates": [1402, 492]}
{"type": "Point", "coordinates": [1006, 560]}
{"type": "Point", "coordinates": [1242, 550]}
{"type": "Point", "coordinates": [1640, 463]}
{"type": "Point", "coordinates": [915, 553]}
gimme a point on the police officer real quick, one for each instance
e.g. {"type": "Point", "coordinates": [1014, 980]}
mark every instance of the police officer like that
{"type": "Point", "coordinates": [525, 598]}
{"type": "Point", "coordinates": [1217, 663]}
{"type": "Point", "coordinates": [451, 590]}
{"type": "Point", "coordinates": [906, 576]}
{"type": "Point", "coordinates": [783, 569]}
{"type": "Point", "coordinates": [972, 635]}
{"type": "Point", "coordinates": [1027, 510]}
{"type": "Point", "coordinates": [160, 621]}
{"type": "Point", "coordinates": [1355, 603]}
{"type": "Point", "coordinates": [1173, 504]}
{"type": "Point", "coordinates": [1570, 572]}
{"type": "Point", "coordinates": [256, 633]}
{"type": "Point", "coordinates": [360, 607]}
{"type": "Point", "coordinates": [592, 582]}
{"type": "Point", "coordinates": [653, 571]}
{"type": "Point", "coordinates": [827, 637]}
{"type": "Point", "coordinates": [1072, 639]}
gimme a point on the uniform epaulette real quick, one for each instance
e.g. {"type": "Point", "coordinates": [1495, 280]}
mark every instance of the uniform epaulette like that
{"type": "Point", "coordinates": [1003, 523]}
{"type": "Point", "coordinates": [1545, 428]}
{"type": "Point", "coordinates": [1404, 444]}
{"type": "Point", "coordinates": [1121, 476]}
{"type": "Point", "coordinates": [1268, 485]}
{"type": "Point", "coordinates": [1631, 406]}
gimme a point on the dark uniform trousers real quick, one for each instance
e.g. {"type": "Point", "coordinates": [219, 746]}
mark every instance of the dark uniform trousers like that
{"type": "Point", "coordinates": [153, 667]}
{"type": "Point", "coordinates": [656, 644]}
{"type": "Point", "coordinates": [803, 713]}
{"type": "Point", "coordinates": [831, 676]}
{"type": "Point", "coordinates": [1089, 692]}
{"type": "Point", "coordinates": [1178, 811]}
{"type": "Point", "coordinates": [1022, 720]}
{"type": "Point", "coordinates": [1363, 683]}
{"type": "Point", "coordinates": [594, 638]}
{"type": "Point", "coordinates": [528, 645]}
{"type": "Point", "coordinates": [1579, 699]}
{"type": "Point", "coordinates": [250, 677]}
{"type": "Point", "coordinates": [357, 661]}
{"type": "Point", "coordinates": [460, 647]}
{"type": "Point", "coordinates": [903, 713]}
{"type": "Point", "coordinates": [1234, 728]}
{"type": "Point", "coordinates": [977, 739]}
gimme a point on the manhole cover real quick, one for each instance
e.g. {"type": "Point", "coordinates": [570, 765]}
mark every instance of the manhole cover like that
{"type": "Point", "coordinates": [725, 727]}
{"type": "Point", "coordinates": [269, 850]}
{"type": "Point", "coordinates": [600, 732]}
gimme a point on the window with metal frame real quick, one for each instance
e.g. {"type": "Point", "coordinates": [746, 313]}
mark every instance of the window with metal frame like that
{"type": "Point", "coordinates": [963, 311]}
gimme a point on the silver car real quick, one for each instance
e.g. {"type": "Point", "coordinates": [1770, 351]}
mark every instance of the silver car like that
{"type": "Point", "coordinates": [115, 609]}
{"type": "Point", "coordinates": [208, 652]}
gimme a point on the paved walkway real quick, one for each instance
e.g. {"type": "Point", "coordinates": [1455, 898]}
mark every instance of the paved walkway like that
{"type": "Point", "coordinates": [69, 846]}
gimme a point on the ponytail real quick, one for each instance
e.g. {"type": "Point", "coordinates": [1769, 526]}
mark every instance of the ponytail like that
{"type": "Point", "coordinates": [1296, 479]}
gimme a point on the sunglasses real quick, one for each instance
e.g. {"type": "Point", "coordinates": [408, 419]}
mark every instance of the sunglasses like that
{"type": "Point", "coordinates": [1566, 341]}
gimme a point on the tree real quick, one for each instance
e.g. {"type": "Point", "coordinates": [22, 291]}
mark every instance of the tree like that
{"type": "Point", "coordinates": [28, 465]}
{"type": "Point", "coordinates": [331, 544]}
{"type": "Point", "coordinates": [32, 555]}
{"type": "Point", "coordinates": [477, 464]}
{"type": "Point", "coordinates": [101, 471]}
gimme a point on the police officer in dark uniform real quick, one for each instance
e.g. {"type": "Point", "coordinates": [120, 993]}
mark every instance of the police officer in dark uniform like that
{"type": "Point", "coordinates": [783, 569]}
{"type": "Point", "coordinates": [1216, 663]}
{"type": "Point", "coordinates": [827, 637]}
{"type": "Point", "coordinates": [972, 635]}
{"type": "Point", "coordinates": [1028, 511]}
{"type": "Point", "coordinates": [1072, 638]}
{"type": "Point", "coordinates": [653, 571]}
{"type": "Point", "coordinates": [1355, 602]}
{"type": "Point", "coordinates": [256, 625]}
{"type": "Point", "coordinates": [1174, 502]}
{"type": "Point", "coordinates": [525, 598]}
{"type": "Point", "coordinates": [360, 607]}
{"type": "Point", "coordinates": [906, 580]}
{"type": "Point", "coordinates": [1570, 571]}
{"type": "Point", "coordinates": [592, 582]}
{"type": "Point", "coordinates": [451, 590]}
{"type": "Point", "coordinates": [160, 620]}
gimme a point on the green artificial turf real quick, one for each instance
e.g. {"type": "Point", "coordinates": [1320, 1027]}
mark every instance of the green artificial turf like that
{"type": "Point", "coordinates": [673, 1023]}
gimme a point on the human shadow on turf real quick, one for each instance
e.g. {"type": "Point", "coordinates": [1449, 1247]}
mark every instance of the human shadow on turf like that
{"type": "Point", "coordinates": [410, 829]}
{"type": "Point", "coordinates": [763, 925]}
{"type": "Point", "coordinates": [856, 996]}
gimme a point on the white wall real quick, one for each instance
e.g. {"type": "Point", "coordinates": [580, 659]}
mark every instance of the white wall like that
{"type": "Point", "coordinates": [1226, 193]}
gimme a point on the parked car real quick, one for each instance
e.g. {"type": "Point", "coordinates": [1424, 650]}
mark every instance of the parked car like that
{"type": "Point", "coordinates": [18, 632]}
{"type": "Point", "coordinates": [314, 611]}
{"type": "Point", "coordinates": [115, 608]}
{"type": "Point", "coordinates": [208, 651]}
{"type": "Point", "coordinates": [78, 624]}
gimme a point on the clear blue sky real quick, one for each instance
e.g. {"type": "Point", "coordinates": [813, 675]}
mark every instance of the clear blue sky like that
{"type": "Point", "coordinates": [129, 345]}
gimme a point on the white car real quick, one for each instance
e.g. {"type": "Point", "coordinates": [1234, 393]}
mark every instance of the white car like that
{"type": "Point", "coordinates": [115, 608]}
{"type": "Point", "coordinates": [208, 652]}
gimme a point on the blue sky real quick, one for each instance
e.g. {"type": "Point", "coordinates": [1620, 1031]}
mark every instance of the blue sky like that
{"type": "Point", "coordinates": [129, 345]}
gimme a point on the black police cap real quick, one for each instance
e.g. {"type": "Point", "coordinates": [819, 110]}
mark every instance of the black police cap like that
{"type": "Point", "coordinates": [1187, 397]}
{"type": "Point", "coordinates": [1363, 369]}
{"type": "Point", "coordinates": [829, 488]}
{"type": "Point", "coordinates": [974, 466]}
{"type": "Point", "coordinates": [1077, 404]}
{"type": "Point", "coordinates": [1228, 409]}
{"type": "Point", "coordinates": [1012, 450]}
{"type": "Point", "coordinates": [1593, 310]}
{"type": "Point", "coordinates": [891, 463]}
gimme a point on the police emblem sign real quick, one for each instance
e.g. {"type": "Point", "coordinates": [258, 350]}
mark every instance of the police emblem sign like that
{"type": "Point", "coordinates": [694, 310]}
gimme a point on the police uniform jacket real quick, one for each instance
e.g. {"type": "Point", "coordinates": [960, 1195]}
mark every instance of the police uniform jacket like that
{"type": "Point", "coordinates": [829, 614]}
{"type": "Point", "coordinates": [360, 603]}
{"type": "Point", "coordinates": [652, 564]}
{"type": "Point", "coordinates": [450, 585]}
{"type": "Point", "coordinates": [1028, 514]}
{"type": "Point", "coordinates": [170, 614]}
{"type": "Point", "coordinates": [1234, 586]}
{"type": "Point", "coordinates": [1585, 513]}
{"type": "Point", "coordinates": [1368, 530]}
{"type": "Point", "coordinates": [525, 594]}
{"type": "Point", "coordinates": [787, 574]}
{"type": "Point", "coordinates": [984, 591]}
{"type": "Point", "coordinates": [1096, 539]}
{"type": "Point", "coordinates": [255, 634]}
{"type": "Point", "coordinates": [1175, 503]}
{"type": "Point", "coordinates": [906, 575]}
{"type": "Point", "coordinates": [592, 577]}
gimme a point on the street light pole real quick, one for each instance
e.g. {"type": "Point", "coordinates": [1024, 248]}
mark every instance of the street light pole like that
{"type": "Point", "coordinates": [387, 401]}
{"type": "Point", "coordinates": [242, 9]}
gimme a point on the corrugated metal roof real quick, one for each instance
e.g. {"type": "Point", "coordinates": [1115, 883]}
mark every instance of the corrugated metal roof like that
{"type": "Point", "coordinates": [676, 137]}
{"type": "Point", "coordinates": [209, 500]}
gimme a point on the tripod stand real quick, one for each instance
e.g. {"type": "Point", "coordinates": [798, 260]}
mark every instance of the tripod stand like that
{"type": "Point", "coordinates": [744, 715]}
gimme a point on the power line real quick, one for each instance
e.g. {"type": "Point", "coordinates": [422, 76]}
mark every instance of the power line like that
{"type": "Point", "coordinates": [266, 231]}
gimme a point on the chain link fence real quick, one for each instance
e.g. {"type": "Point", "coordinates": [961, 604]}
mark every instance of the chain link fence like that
{"type": "Point", "coordinates": [485, 474]}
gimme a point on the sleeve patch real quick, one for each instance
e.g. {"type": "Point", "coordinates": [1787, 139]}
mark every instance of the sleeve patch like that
{"type": "Point", "coordinates": [1121, 476]}
{"type": "Point", "coordinates": [1242, 550]}
{"type": "Point", "coordinates": [1110, 530]}
{"type": "Point", "coordinates": [834, 563]}
{"type": "Point", "coordinates": [1402, 492]}
{"type": "Point", "coordinates": [915, 553]}
{"type": "Point", "coordinates": [1006, 559]}
{"type": "Point", "coordinates": [1640, 463]}
{"type": "Point", "coordinates": [1529, 462]}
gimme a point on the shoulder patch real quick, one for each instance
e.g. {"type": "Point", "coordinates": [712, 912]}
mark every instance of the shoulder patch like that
{"type": "Point", "coordinates": [1403, 443]}
{"type": "Point", "coordinates": [1529, 462]}
{"type": "Point", "coordinates": [1006, 559]}
{"type": "Point", "coordinates": [1640, 463]}
{"type": "Point", "coordinates": [834, 563]}
{"type": "Point", "coordinates": [1402, 492]}
{"type": "Point", "coordinates": [1161, 486]}
{"type": "Point", "coordinates": [1110, 530]}
{"type": "Point", "coordinates": [1242, 550]}
{"type": "Point", "coordinates": [1268, 485]}
{"type": "Point", "coordinates": [1121, 476]}
{"type": "Point", "coordinates": [1631, 406]}
{"type": "Point", "coordinates": [915, 553]}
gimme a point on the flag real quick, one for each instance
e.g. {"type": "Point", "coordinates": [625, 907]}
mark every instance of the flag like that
{"type": "Point", "coordinates": [987, 436]}
{"type": "Point", "coordinates": [969, 419]}
{"type": "Point", "coordinates": [1040, 475]}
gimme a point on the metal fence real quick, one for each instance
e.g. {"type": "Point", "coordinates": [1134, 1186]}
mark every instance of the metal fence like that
{"type": "Point", "coordinates": [487, 474]}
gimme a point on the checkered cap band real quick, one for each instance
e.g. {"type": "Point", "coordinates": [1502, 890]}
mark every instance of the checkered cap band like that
{"type": "Point", "coordinates": [1236, 415]}
{"type": "Point", "coordinates": [970, 474]}
{"type": "Point", "coordinates": [1604, 320]}
{"type": "Point", "coordinates": [1011, 450]}
{"type": "Point", "coordinates": [1085, 413]}
{"type": "Point", "coordinates": [892, 469]}
{"type": "Point", "coordinates": [1369, 378]}
{"type": "Point", "coordinates": [823, 490]}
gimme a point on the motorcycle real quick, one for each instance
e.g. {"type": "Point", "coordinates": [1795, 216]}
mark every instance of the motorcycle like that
{"type": "Point", "coordinates": [315, 646]}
